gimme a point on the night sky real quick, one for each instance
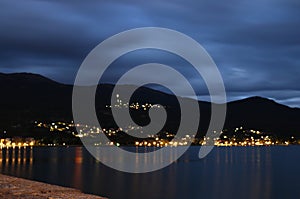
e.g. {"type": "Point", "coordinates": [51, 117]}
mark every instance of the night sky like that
{"type": "Point", "coordinates": [255, 44]}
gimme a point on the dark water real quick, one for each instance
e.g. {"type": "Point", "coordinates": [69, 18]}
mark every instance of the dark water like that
{"type": "Point", "coordinates": [237, 172]}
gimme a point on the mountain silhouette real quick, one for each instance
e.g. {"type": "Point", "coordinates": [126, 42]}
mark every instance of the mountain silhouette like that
{"type": "Point", "coordinates": [27, 97]}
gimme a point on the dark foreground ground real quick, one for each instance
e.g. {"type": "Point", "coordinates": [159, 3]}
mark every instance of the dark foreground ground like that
{"type": "Point", "coordinates": [14, 188]}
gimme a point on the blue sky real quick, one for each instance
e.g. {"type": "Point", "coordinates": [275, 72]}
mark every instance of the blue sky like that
{"type": "Point", "coordinates": [255, 44]}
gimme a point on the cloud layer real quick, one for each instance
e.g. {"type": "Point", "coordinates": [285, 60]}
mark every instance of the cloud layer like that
{"type": "Point", "coordinates": [255, 44]}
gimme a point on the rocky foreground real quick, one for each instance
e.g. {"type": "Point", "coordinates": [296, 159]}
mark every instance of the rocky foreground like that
{"type": "Point", "coordinates": [14, 188]}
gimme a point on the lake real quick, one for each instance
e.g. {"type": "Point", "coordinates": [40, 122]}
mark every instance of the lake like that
{"type": "Point", "coordinates": [227, 172]}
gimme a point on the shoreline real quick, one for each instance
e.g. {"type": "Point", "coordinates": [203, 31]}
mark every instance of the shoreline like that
{"type": "Point", "coordinates": [14, 187]}
{"type": "Point", "coordinates": [132, 146]}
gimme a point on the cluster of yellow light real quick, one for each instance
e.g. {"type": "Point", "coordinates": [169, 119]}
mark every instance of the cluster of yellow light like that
{"type": "Point", "coordinates": [135, 106]}
{"type": "Point", "coordinates": [85, 130]}
{"type": "Point", "coordinates": [56, 126]}
{"type": "Point", "coordinates": [144, 107]}
{"type": "Point", "coordinates": [6, 143]}
{"type": "Point", "coordinates": [151, 143]}
{"type": "Point", "coordinates": [240, 128]}
{"type": "Point", "coordinates": [160, 143]}
{"type": "Point", "coordinates": [60, 126]}
{"type": "Point", "coordinates": [88, 131]}
{"type": "Point", "coordinates": [266, 141]}
{"type": "Point", "coordinates": [255, 132]}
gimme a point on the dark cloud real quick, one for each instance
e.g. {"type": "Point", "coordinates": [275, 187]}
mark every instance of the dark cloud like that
{"type": "Point", "coordinates": [255, 44]}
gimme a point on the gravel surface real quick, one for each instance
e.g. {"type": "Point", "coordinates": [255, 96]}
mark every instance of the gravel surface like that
{"type": "Point", "coordinates": [14, 188]}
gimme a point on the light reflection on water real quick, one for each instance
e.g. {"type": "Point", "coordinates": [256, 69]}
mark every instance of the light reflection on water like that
{"type": "Point", "coordinates": [228, 172]}
{"type": "Point", "coordinates": [16, 160]}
